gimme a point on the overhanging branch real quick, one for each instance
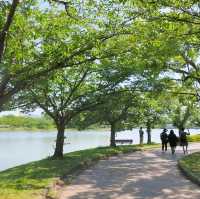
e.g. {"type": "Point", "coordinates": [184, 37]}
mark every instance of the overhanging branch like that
{"type": "Point", "coordinates": [6, 26]}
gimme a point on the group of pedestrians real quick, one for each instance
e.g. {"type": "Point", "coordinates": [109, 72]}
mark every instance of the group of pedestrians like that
{"type": "Point", "coordinates": [173, 140]}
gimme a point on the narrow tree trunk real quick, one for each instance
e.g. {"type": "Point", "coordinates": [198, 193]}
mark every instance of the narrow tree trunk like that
{"type": "Point", "coordinates": [180, 129]}
{"type": "Point", "coordinates": [112, 137]}
{"type": "Point", "coordinates": [148, 133]}
{"type": "Point", "coordinates": [58, 153]}
{"type": "Point", "coordinates": [149, 136]}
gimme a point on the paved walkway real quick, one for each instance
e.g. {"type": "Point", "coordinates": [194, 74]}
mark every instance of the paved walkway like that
{"type": "Point", "coordinates": [140, 175]}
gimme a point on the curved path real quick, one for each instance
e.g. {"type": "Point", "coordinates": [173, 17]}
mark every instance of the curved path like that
{"type": "Point", "coordinates": [139, 175]}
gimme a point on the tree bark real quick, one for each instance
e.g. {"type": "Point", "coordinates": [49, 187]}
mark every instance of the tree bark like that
{"type": "Point", "coordinates": [58, 153]}
{"type": "Point", "coordinates": [112, 137]}
{"type": "Point", "coordinates": [6, 26]}
{"type": "Point", "coordinates": [148, 132]}
{"type": "Point", "coordinates": [179, 131]}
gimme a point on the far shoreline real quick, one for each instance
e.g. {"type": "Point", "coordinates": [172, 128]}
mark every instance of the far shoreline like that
{"type": "Point", "coordinates": [48, 130]}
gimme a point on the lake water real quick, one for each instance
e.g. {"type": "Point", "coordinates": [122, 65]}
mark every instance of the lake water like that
{"type": "Point", "coordinates": [17, 148]}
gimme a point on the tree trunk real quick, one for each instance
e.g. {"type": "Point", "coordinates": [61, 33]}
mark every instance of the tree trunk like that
{"type": "Point", "coordinates": [58, 153]}
{"type": "Point", "coordinates": [112, 137]}
{"type": "Point", "coordinates": [180, 129]}
{"type": "Point", "coordinates": [148, 132]}
{"type": "Point", "coordinates": [5, 29]}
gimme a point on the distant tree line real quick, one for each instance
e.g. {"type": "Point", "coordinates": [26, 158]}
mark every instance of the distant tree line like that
{"type": "Point", "coordinates": [25, 122]}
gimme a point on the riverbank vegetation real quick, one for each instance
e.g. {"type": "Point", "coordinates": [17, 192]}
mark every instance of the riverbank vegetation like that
{"type": "Point", "coordinates": [36, 179]}
{"type": "Point", "coordinates": [194, 138]}
{"type": "Point", "coordinates": [29, 123]}
{"type": "Point", "coordinates": [25, 122]}
{"type": "Point", "coordinates": [190, 165]}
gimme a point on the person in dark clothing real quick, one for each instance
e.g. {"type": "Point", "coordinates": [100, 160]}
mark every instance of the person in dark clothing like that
{"type": "Point", "coordinates": [164, 139]}
{"type": "Point", "coordinates": [141, 132]}
{"type": "Point", "coordinates": [172, 138]}
{"type": "Point", "coordinates": [183, 140]}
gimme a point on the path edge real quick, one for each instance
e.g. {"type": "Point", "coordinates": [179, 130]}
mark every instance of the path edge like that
{"type": "Point", "coordinates": [53, 191]}
{"type": "Point", "coordinates": [188, 174]}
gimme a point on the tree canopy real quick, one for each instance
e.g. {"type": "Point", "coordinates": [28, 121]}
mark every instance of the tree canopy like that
{"type": "Point", "coordinates": [76, 57]}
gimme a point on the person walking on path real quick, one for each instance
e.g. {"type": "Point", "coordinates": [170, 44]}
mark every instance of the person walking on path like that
{"type": "Point", "coordinates": [164, 139]}
{"type": "Point", "coordinates": [140, 175]}
{"type": "Point", "coordinates": [141, 132]}
{"type": "Point", "coordinates": [183, 140]}
{"type": "Point", "coordinates": [172, 139]}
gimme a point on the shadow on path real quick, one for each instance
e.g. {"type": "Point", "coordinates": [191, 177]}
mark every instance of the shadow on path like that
{"type": "Point", "coordinates": [140, 175]}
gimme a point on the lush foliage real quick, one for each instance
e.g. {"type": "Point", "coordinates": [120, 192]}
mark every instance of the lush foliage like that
{"type": "Point", "coordinates": [48, 39]}
{"type": "Point", "coordinates": [119, 110]}
{"type": "Point", "coordinates": [107, 36]}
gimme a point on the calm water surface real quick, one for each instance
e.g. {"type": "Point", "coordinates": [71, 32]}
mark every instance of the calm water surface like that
{"type": "Point", "coordinates": [21, 147]}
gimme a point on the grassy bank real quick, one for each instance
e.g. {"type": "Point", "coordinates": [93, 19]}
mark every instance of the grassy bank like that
{"type": "Point", "coordinates": [190, 165]}
{"type": "Point", "coordinates": [33, 179]}
{"type": "Point", "coordinates": [194, 138]}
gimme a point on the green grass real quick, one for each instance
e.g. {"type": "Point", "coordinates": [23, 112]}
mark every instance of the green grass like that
{"type": "Point", "coordinates": [191, 166]}
{"type": "Point", "coordinates": [194, 138]}
{"type": "Point", "coordinates": [31, 180]}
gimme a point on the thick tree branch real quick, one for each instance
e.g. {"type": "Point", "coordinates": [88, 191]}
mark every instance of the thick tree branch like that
{"type": "Point", "coordinates": [6, 26]}
{"type": "Point", "coordinates": [190, 62]}
{"type": "Point", "coordinates": [35, 98]}
{"type": "Point", "coordinates": [66, 5]}
{"type": "Point", "coordinates": [75, 88]}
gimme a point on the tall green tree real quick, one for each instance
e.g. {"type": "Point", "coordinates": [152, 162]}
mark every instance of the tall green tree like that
{"type": "Point", "coordinates": [182, 109]}
{"type": "Point", "coordinates": [154, 111]}
{"type": "Point", "coordinates": [120, 111]}
{"type": "Point", "coordinates": [69, 92]}
{"type": "Point", "coordinates": [49, 39]}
